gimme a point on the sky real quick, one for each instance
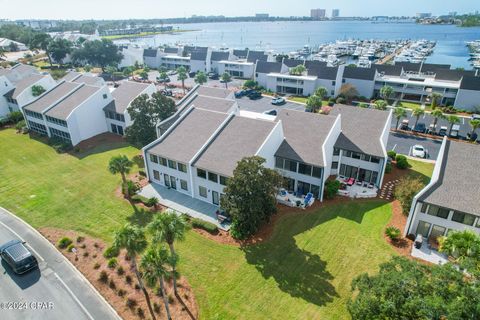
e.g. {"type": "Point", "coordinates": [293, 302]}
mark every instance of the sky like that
{"type": "Point", "coordinates": [123, 9]}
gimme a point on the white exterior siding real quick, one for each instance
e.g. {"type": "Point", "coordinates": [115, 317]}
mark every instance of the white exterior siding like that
{"type": "Point", "coordinates": [364, 87]}
{"type": "Point", "coordinates": [237, 69]}
{"type": "Point", "coordinates": [328, 146]}
{"type": "Point", "coordinates": [130, 56]}
{"type": "Point", "coordinates": [5, 86]}
{"type": "Point", "coordinates": [26, 96]}
{"type": "Point", "coordinates": [270, 145]}
{"type": "Point", "coordinates": [467, 99]}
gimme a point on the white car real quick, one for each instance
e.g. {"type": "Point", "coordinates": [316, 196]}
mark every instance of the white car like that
{"type": "Point", "coordinates": [419, 151]}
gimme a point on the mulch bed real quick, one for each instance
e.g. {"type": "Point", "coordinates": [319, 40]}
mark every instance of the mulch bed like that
{"type": "Point", "coordinates": [89, 255]}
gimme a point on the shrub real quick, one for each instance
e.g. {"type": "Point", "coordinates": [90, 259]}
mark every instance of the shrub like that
{"type": "Point", "coordinates": [207, 226]}
{"type": "Point", "coordinates": [151, 202]}
{"type": "Point", "coordinates": [341, 100]}
{"type": "Point", "coordinates": [121, 292]}
{"type": "Point", "coordinates": [80, 239]}
{"type": "Point", "coordinates": [140, 313]}
{"type": "Point", "coordinates": [64, 242]}
{"type": "Point", "coordinates": [85, 254]}
{"type": "Point", "coordinates": [96, 266]}
{"type": "Point", "coordinates": [103, 277]}
{"type": "Point", "coordinates": [142, 173]}
{"type": "Point", "coordinates": [170, 299]}
{"type": "Point", "coordinates": [138, 198]}
{"type": "Point", "coordinates": [392, 154]}
{"type": "Point", "coordinates": [138, 160]}
{"type": "Point", "coordinates": [363, 105]}
{"type": "Point", "coordinates": [405, 190]}
{"type": "Point", "coordinates": [15, 117]}
{"type": "Point", "coordinates": [331, 188]}
{"type": "Point", "coordinates": [393, 233]}
{"type": "Point", "coordinates": [128, 279]}
{"type": "Point", "coordinates": [70, 247]}
{"type": "Point", "coordinates": [20, 125]}
{"type": "Point", "coordinates": [131, 303]}
{"type": "Point", "coordinates": [83, 246]}
{"type": "Point", "coordinates": [111, 252]}
{"type": "Point", "coordinates": [94, 255]}
{"type": "Point", "coordinates": [120, 271]}
{"type": "Point", "coordinates": [250, 84]}
{"type": "Point", "coordinates": [156, 307]}
{"type": "Point", "coordinates": [37, 90]}
{"type": "Point", "coordinates": [402, 162]}
{"type": "Point", "coordinates": [112, 263]}
{"type": "Point", "coordinates": [388, 168]}
{"type": "Point", "coordinates": [112, 284]}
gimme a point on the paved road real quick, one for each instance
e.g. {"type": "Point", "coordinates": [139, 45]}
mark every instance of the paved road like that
{"type": "Point", "coordinates": [403, 143]}
{"type": "Point", "coordinates": [55, 286]}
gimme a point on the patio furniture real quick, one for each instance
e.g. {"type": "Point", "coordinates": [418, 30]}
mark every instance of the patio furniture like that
{"type": "Point", "coordinates": [308, 199]}
{"type": "Point", "coordinates": [350, 181]}
{"type": "Point", "coordinates": [370, 186]}
{"type": "Point", "coordinates": [418, 241]}
{"type": "Point", "coordinates": [359, 183]}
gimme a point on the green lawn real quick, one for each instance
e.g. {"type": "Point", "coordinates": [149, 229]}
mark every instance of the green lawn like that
{"type": "Point", "coordinates": [304, 271]}
{"type": "Point", "coordinates": [409, 105]}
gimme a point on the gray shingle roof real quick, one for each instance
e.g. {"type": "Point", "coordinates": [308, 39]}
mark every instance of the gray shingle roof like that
{"type": "Point", "coordinates": [212, 103]}
{"type": "Point", "coordinates": [359, 73]}
{"type": "Point", "coordinates": [388, 70]}
{"type": "Point", "coordinates": [254, 56]}
{"type": "Point", "coordinates": [314, 64]}
{"type": "Point", "coordinates": [452, 75]}
{"type": "Point", "coordinates": [199, 55]}
{"type": "Point", "coordinates": [52, 96]}
{"type": "Point", "coordinates": [329, 73]}
{"type": "Point", "coordinates": [241, 137]}
{"type": "Point", "coordinates": [126, 93]}
{"type": "Point", "coordinates": [470, 83]}
{"type": "Point", "coordinates": [268, 67]}
{"type": "Point", "coordinates": [150, 52]}
{"type": "Point", "coordinates": [305, 134]}
{"type": "Point", "coordinates": [361, 129]}
{"type": "Point", "coordinates": [409, 66]}
{"type": "Point", "coordinates": [240, 53]}
{"type": "Point", "coordinates": [433, 67]}
{"type": "Point", "coordinates": [219, 56]}
{"type": "Point", "coordinates": [75, 99]}
{"type": "Point", "coordinates": [71, 75]}
{"type": "Point", "coordinates": [171, 50]}
{"type": "Point", "coordinates": [182, 143]}
{"type": "Point", "coordinates": [90, 80]}
{"type": "Point", "coordinates": [23, 84]}
{"type": "Point", "coordinates": [459, 181]}
{"type": "Point", "coordinates": [291, 63]}
{"type": "Point", "coordinates": [213, 92]}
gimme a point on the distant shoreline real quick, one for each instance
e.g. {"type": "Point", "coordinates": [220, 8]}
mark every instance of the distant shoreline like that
{"type": "Point", "coordinates": [144, 34]}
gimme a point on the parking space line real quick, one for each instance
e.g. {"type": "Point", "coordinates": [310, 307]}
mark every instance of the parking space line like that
{"type": "Point", "coordinates": [74, 297]}
{"type": "Point", "coordinates": [393, 149]}
{"type": "Point", "coordinates": [20, 237]}
{"type": "Point", "coordinates": [410, 150]}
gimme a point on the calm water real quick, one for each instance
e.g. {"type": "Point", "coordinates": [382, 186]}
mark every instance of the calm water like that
{"type": "Point", "coordinates": [289, 36]}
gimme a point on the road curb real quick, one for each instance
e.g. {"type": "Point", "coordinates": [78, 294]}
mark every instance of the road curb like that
{"type": "Point", "coordinates": [82, 277]}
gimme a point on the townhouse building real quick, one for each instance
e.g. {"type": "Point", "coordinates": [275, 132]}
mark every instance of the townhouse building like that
{"type": "Point", "coordinates": [450, 201]}
{"type": "Point", "coordinates": [198, 149]}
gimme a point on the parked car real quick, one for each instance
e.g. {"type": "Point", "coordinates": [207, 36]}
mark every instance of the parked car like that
{"type": "Point", "coordinates": [166, 80]}
{"type": "Point", "coordinates": [172, 72]}
{"type": "Point", "coordinates": [167, 92]}
{"type": "Point", "coordinates": [443, 131]}
{"type": "Point", "coordinates": [404, 125]}
{"type": "Point", "coordinates": [278, 101]}
{"type": "Point", "coordinates": [432, 129]}
{"type": "Point", "coordinates": [192, 74]}
{"type": "Point", "coordinates": [18, 257]}
{"type": "Point", "coordinates": [272, 112]}
{"type": "Point", "coordinates": [255, 95]}
{"type": "Point", "coordinates": [239, 93]}
{"type": "Point", "coordinates": [419, 151]}
{"type": "Point", "coordinates": [213, 75]}
{"type": "Point", "coordinates": [420, 127]}
{"type": "Point", "coordinates": [454, 131]}
{"type": "Point", "coordinates": [475, 117]}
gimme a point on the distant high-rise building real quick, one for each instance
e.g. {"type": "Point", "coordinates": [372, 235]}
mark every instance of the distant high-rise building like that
{"type": "Point", "coordinates": [317, 14]}
{"type": "Point", "coordinates": [335, 13]}
{"type": "Point", "coordinates": [422, 15]}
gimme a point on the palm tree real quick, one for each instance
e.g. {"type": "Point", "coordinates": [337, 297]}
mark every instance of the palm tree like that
{"type": "Point", "coordinates": [226, 77]}
{"type": "Point", "coordinates": [436, 114]}
{"type": "Point", "coordinates": [399, 113]}
{"type": "Point", "coordinates": [322, 92]}
{"type": "Point", "coordinates": [169, 227]}
{"type": "Point", "coordinates": [200, 78]}
{"type": "Point", "coordinates": [120, 164]}
{"type": "Point", "coordinates": [154, 267]}
{"type": "Point", "coordinates": [386, 92]}
{"type": "Point", "coordinates": [417, 113]}
{"type": "Point", "coordinates": [314, 103]}
{"type": "Point", "coordinates": [435, 96]}
{"type": "Point", "coordinates": [182, 76]}
{"type": "Point", "coordinates": [163, 77]}
{"type": "Point", "coordinates": [2, 53]}
{"type": "Point", "coordinates": [132, 239]}
{"type": "Point", "coordinates": [452, 119]}
{"type": "Point", "coordinates": [475, 124]}
{"type": "Point", "coordinates": [381, 104]}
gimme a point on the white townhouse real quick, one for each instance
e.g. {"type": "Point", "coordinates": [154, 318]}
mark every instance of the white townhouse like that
{"type": "Point", "coordinates": [198, 149]}
{"type": "Point", "coordinates": [131, 56]}
{"type": "Point", "coordinates": [216, 57]}
{"type": "Point", "coordinates": [70, 111]}
{"type": "Point", "coordinates": [116, 112]}
{"type": "Point", "coordinates": [152, 58]}
{"type": "Point", "coordinates": [450, 202]}
{"type": "Point", "coordinates": [200, 60]}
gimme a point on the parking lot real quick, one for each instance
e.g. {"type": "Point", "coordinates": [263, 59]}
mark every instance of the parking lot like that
{"type": "Point", "coordinates": [403, 143]}
{"type": "Point", "coordinates": [189, 83]}
{"type": "Point", "coordinates": [264, 104]}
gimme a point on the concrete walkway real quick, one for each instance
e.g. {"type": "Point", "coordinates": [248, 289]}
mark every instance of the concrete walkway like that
{"type": "Point", "coordinates": [430, 255]}
{"type": "Point", "coordinates": [183, 203]}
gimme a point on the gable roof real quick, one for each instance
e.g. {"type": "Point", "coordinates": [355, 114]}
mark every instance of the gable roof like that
{"type": "Point", "coordinates": [470, 83]}
{"type": "Point", "coordinates": [323, 72]}
{"type": "Point", "coordinates": [240, 53]}
{"type": "Point", "coordinates": [409, 66]}
{"type": "Point", "coordinates": [213, 92]}
{"type": "Point", "coordinates": [189, 135]}
{"type": "Point", "coordinates": [90, 80]}
{"type": "Point", "coordinates": [18, 72]}
{"type": "Point", "coordinates": [241, 137]}
{"type": "Point", "coordinates": [63, 109]}
{"type": "Point", "coordinates": [23, 84]}
{"type": "Point", "coordinates": [452, 75]}
{"type": "Point", "coordinates": [52, 96]}
{"type": "Point", "coordinates": [150, 52]}
{"type": "Point", "coordinates": [389, 70]}
{"type": "Point", "coordinates": [71, 75]}
{"type": "Point", "coordinates": [433, 67]}
{"type": "Point", "coordinates": [254, 56]}
{"type": "Point", "coordinates": [268, 67]}
{"type": "Point", "coordinates": [126, 93]}
{"type": "Point", "coordinates": [170, 50]}
{"type": "Point", "coordinates": [199, 55]}
{"type": "Point", "coordinates": [359, 73]}
{"type": "Point", "coordinates": [292, 63]}
{"type": "Point", "coordinates": [219, 55]}
{"type": "Point", "coordinates": [314, 64]}
{"type": "Point", "coordinates": [457, 186]}
{"type": "Point", "coordinates": [299, 128]}
{"type": "Point", "coordinates": [213, 103]}
{"type": "Point", "coordinates": [361, 129]}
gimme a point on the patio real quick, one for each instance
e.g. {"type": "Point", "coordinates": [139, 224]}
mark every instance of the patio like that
{"type": "Point", "coordinates": [352, 188]}
{"type": "Point", "coordinates": [428, 254]}
{"type": "Point", "coordinates": [183, 203]}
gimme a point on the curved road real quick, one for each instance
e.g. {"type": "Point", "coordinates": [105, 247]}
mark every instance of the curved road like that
{"type": "Point", "coordinates": [56, 290]}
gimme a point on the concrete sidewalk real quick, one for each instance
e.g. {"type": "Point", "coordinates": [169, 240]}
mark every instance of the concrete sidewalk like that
{"type": "Point", "coordinates": [80, 299]}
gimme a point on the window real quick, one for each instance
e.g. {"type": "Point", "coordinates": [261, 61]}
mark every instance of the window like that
{"type": "Point", "coordinates": [105, 96]}
{"type": "Point", "coordinates": [356, 155]}
{"type": "Point", "coordinates": [336, 151]}
{"type": "Point", "coordinates": [213, 177]}
{"type": "Point", "coordinates": [33, 114]}
{"type": "Point", "coordinates": [365, 157]}
{"type": "Point", "coordinates": [223, 180]}
{"type": "Point", "coordinates": [153, 158]}
{"type": "Point", "coordinates": [182, 167]}
{"type": "Point", "coordinates": [424, 208]}
{"type": "Point", "coordinates": [315, 190]}
{"type": "Point", "coordinates": [56, 121]}
{"type": "Point", "coordinates": [438, 212]}
{"type": "Point", "coordinates": [375, 159]}
{"type": "Point", "coordinates": [60, 134]}
{"type": "Point", "coordinates": [333, 83]}
{"type": "Point", "coordinates": [463, 217]}
{"type": "Point", "coordinates": [334, 165]}
{"type": "Point", "coordinates": [332, 93]}
{"type": "Point", "coordinates": [317, 172]}
{"type": "Point", "coordinates": [156, 175]}
{"type": "Point", "coordinates": [183, 185]}
{"type": "Point", "coordinates": [172, 164]}
{"type": "Point", "coordinates": [290, 165]}
{"type": "Point", "coordinates": [343, 80]}
{"type": "Point", "coordinates": [202, 173]}
{"type": "Point", "coordinates": [305, 169]}
{"type": "Point", "coordinates": [163, 161]}
{"type": "Point", "coordinates": [202, 191]}
{"type": "Point", "coordinates": [37, 127]}
{"type": "Point", "coordinates": [347, 154]}
{"type": "Point", "coordinates": [279, 162]}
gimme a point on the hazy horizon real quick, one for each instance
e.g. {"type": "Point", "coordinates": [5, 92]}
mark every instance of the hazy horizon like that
{"type": "Point", "coordinates": [150, 9]}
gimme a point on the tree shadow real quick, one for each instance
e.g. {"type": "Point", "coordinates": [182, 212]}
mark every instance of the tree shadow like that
{"type": "Point", "coordinates": [298, 272]}
{"type": "Point", "coordinates": [140, 216]}
{"type": "Point", "coordinates": [185, 307]}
